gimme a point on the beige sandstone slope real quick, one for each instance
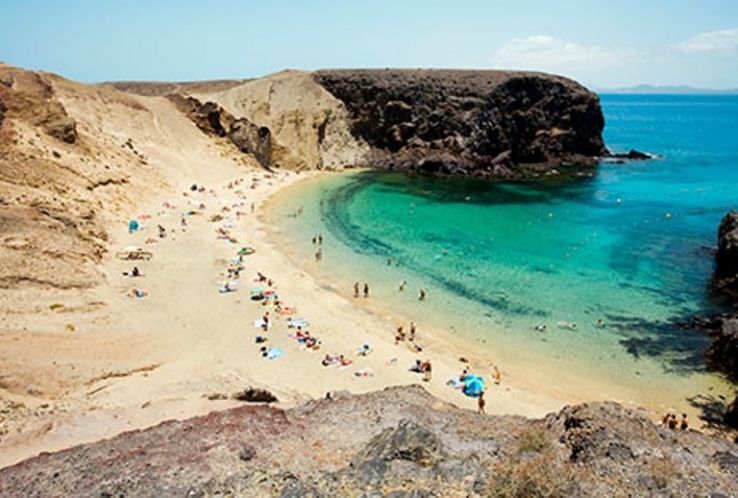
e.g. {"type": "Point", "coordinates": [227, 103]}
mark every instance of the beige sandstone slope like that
{"type": "Point", "coordinates": [309, 126]}
{"type": "Point", "coordinates": [61, 185]}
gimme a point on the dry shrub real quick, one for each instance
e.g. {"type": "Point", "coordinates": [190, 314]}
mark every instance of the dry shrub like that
{"type": "Point", "coordinates": [533, 441]}
{"type": "Point", "coordinates": [538, 475]}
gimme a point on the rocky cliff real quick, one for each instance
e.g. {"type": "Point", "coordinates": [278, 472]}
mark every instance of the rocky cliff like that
{"type": "Point", "coordinates": [502, 124]}
{"type": "Point", "coordinates": [722, 355]}
{"type": "Point", "coordinates": [399, 442]}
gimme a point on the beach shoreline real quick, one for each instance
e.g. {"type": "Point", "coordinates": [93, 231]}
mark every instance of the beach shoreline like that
{"type": "Point", "coordinates": [106, 361]}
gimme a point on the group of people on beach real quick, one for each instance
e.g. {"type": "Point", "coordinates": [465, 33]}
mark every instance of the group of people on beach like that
{"type": "Point", "coordinates": [670, 420]}
{"type": "Point", "coordinates": [356, 289]}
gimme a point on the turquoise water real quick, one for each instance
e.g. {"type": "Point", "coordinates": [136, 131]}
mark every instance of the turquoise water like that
{"type": "Point", "coordinates": [629, 246]}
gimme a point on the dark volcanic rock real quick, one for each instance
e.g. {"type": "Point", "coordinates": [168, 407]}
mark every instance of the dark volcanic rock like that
{"type": "Point", "coordinates": [214, 120]}
{"type": "Point", "coordinates": [252, 139]}
{"type": "Point", "coordinates": [595, 431]}
{"type": "Point", "coordinates": [725, 279]}
{"type": "Point", "coordinates": [633, 155]}
{"type": "Point", "coordinates": [398, 442]}
{"type": "Point", "coordinates": [408, 442]}
{"type": "Point", "coordinates": [731, 414]}
{"type": "Point", "coordinates": [208, 117]}
{"type": "Point", "coordinates": [723, 352]}
{"type": "Point", "coordinates": [485, 123]}
{"type": "Point", "coordinates": [253, 395]}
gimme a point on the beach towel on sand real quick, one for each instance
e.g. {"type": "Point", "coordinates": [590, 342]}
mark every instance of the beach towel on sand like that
{"type": "Point", "coordinates": [274, 353]}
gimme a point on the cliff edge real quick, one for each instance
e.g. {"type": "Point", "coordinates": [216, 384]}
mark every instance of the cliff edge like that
{"type": "Point", "coordinates": [397, 442]}
{"type": "Point", "coordinates": [497, 124]}
{"type": "Point", "coordinates": [502, 124]}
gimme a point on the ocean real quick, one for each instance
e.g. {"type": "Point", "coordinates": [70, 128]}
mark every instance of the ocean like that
{"type": "Point", "coordinates": [585, 278]}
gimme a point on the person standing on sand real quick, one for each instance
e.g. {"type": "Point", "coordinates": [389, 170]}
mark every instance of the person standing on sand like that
{"type": "Point", "coordinates": [422, 295]}
{"type": "Point", "coordinates": [319, 255]}
{"type": "Point", "coordinates": [412, 331]}
{"type": "Point", "coordinates": [356, 289]}
{"type": "Point", "coordinates": [481, 403]}
{"type": "Point", "coordinates": [402, 286]}
{"type": "Point", "coordinates": [427, 370]}
{"type": "Point", "coordinates": [366, 290]}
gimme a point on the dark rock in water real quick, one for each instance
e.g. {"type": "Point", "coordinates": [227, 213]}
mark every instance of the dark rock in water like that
{"type": "Point", "coordinates": [725, 278]}
{"type": "Point", "coordinates": [253, 395]}
{"type": "Point", "coordinates": [722, 355]}
{"type": "Point", "coordinates": [252, 139]}
{"type": "Point", "coordinates": [502, 124]}
{"type": "Point", "coordinates": [723, 352]}
{"type": "Point", "coordinates": [633, 155]}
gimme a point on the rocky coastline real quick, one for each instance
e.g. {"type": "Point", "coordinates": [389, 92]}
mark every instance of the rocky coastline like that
{"type": "Point", "coordinates": [722, 328]}
{"type": "Point", "coordinates": [494, 124]}
{"type": "Point", "coordinates": [497, 124]}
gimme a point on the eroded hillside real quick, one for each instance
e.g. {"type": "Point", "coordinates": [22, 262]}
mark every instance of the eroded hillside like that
{"type": "Point", "coordinates": [75, 157]}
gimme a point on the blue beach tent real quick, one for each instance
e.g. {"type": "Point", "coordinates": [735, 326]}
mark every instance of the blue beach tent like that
{"type": "Point", "coordinates": [474, 385]}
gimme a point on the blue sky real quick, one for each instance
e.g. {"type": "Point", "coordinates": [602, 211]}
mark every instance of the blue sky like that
{"type": "Point", "coordinates": [603, 44]}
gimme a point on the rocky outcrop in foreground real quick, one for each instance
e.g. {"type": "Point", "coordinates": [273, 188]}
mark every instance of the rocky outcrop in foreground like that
{"type": "Point", "coordinates": [502, 124]}
{"type": "Point", "coordinates": [400, 442]}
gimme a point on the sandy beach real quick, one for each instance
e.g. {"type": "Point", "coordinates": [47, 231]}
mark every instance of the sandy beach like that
{"type": "Point", "coordinates": [94, 363]}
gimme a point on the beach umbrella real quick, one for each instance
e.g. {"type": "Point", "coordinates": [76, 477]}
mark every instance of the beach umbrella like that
{"type": "Point", "coordinates": [473, 385]}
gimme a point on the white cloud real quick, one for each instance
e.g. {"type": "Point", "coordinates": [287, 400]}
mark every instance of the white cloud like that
{"type": "Point", "coordinates": [721, 41]}
{"type": "Point", "coordinates": [545, 53]}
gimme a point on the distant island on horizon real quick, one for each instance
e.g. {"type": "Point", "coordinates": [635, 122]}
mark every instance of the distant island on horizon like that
{"type": "Point", "coordinates": [668, 90]}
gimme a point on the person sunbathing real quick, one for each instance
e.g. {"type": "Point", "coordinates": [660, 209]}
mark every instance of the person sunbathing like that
{"type": "Point", "coordinates": [135, 292]}
{"type": "Point", "coordinates": [330, 359]}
